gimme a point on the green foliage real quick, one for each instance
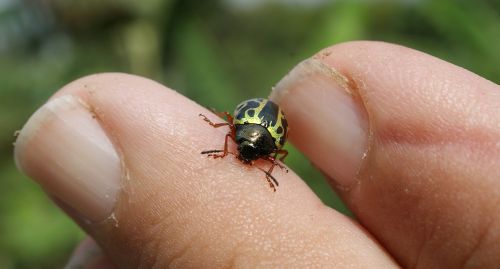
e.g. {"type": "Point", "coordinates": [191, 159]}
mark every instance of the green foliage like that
{"type": "Point", "coordinates": [35, 234]}
{"type": "Point", "coordinates": [213, 52]}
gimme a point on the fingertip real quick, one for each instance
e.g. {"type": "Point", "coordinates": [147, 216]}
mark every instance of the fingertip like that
{"type": "Point", "coordinates": [327, 119]}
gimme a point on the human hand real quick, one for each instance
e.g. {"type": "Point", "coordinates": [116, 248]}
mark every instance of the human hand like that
{"type": "Point", "coordinates": [410, 142]}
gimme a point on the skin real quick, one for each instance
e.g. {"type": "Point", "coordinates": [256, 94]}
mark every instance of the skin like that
{"type": "Point", "coordinates": [426, 195]}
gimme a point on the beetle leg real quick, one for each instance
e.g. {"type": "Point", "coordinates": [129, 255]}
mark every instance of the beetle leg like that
{"type": "Point", "coordinates": [284, 152]}
{"type": "Point", "coordinates": [269, 177]}
{"type": "Point", "coordinates": [225, 152]}
{"type": "Point", "coordinates": [268, 173]}
{"type": "Point", "coordinates": [229, 119]}
{"type": "Point", "coordinates": [215, 125]}
{"type": "Point", "coordinates": [226, 114]}
{"type": "Point", "coordinates": [274, 162]}
{"type": "Point", "coordinates": [228, 123]}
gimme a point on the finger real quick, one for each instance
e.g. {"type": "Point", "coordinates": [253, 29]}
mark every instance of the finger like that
{"type": "Point", "coordinates": [411, 142]}
{"type": "Point", "coordinates": [127, 150]}
{"type": "Point", "coordinates": [89, 255]}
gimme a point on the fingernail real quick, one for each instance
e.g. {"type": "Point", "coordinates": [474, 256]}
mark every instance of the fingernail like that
{"type": "Point", "coordinates": [64, 149]}
{"type": "Point", "coordinates": [327, 121]}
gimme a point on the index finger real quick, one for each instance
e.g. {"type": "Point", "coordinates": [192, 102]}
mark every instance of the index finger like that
{"type": "Point", "coordinates": [174, 205]}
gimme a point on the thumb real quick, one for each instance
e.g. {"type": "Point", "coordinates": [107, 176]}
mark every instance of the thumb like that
{"type": "Point", "coordinates": [411, 142]}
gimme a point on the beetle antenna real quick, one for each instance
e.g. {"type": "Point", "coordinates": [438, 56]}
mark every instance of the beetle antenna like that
{"type": "Point", "coordinates": [212, 151]}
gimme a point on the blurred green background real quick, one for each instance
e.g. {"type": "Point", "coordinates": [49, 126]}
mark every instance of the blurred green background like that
{"type": "Point", "coordinates": [217, 53]}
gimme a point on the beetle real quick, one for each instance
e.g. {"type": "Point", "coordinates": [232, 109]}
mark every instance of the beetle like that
{"type": "Point", "coordinates": [260, 129]}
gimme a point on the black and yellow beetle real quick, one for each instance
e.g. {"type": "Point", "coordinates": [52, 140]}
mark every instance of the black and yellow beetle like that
{"type": "Point", "coordinates": [260, 129]}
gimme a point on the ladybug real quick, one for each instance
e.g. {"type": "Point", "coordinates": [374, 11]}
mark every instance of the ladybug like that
{"type": "Point", "coordinates": [260, 130]}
